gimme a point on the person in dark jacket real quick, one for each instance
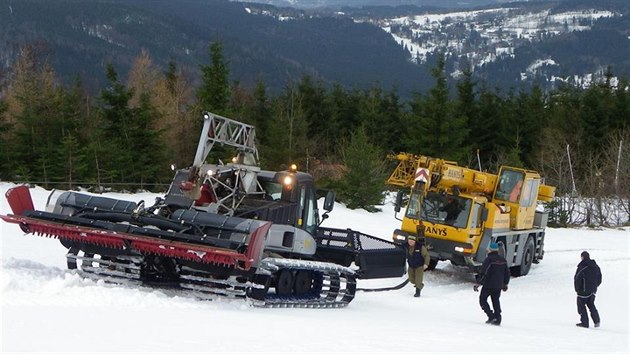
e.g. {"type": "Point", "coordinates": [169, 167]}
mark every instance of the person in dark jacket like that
{"type": "Point", "coordinates": [418, 260]}
{"type": "Point", "coordinates": [494, 275]}
{"type": "Point", "coordinates": [587, 278]}
{"type": "Point", "coordinates": [452, 209]}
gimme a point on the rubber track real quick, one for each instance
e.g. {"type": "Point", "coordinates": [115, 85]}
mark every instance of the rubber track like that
{"type": "Point", "coordinates": [333, 294]}
{"type": "Point", "coordinates": [337, 291]}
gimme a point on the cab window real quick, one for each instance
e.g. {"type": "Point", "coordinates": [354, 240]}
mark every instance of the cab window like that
{"type": "Point", "coordinates": [530, 192]}
{"type": "Point", "coordinates": [273, 190]}
{"type": "Point", "coordinates": [510, 186]}
{"type": "Point", "coordinates": [311, 217]}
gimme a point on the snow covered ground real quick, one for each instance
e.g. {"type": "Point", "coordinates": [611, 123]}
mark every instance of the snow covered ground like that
{"type": "Point", "coordinates": [46, 308]}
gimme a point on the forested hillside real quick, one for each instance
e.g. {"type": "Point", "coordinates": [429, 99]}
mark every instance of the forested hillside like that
{"type": "Point", "coordinates": [81, 37]}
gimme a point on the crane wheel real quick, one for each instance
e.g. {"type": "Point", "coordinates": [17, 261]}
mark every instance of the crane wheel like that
{"type": "Point", "coordinates": [527, 260]}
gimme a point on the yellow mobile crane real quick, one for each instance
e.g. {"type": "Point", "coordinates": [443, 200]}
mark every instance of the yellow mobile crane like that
{"type": "Point", "coordinates": [463, 210]}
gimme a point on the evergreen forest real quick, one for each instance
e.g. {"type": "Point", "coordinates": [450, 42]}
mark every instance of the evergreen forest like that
{"type": "Point", "coordinates": [125, 137]}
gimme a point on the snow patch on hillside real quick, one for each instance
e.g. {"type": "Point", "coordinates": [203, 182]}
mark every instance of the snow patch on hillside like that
{"type": "Point", "coordinates": [482, 36]}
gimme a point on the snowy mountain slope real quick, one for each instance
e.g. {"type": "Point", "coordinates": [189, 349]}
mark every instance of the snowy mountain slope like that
{"type": "Point", "coordinates": [46, 308]}
{"type": "Point", "coordinates": [496, 31]}
{"type": "Point", "coordinates": [360, 3]}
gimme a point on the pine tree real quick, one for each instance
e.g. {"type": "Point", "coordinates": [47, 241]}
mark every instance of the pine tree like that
{"type": "Point", "coordinates": [362, 183]}
{"type": "Point", "coordinates": [621, 116]}
{"type": "Point", "coordinates": [345, 113]}
{"type": "Point", "coordinates": [435, 128]}
{"type": "Point", "coordinates": [261, 111]}
{"type": "Point", "coordinates": [116, 159]}
{"type": "Point", "coordinates": [72, 149]}
{"type": "Point", "coordinates": [487, 131]}
{"type": "Point", "coordinates": [151, 166]}
{"type": "Point", "coordinates": [596, 115]}
{"type": "Point", "coordinates": [467, 106]}
{"type": "Point", "coordinates": [318, 111]}
{"type": "Point", "coordinates": [382, 114]}
{"type": "Point", "coordinates": [530, 119]}
{"type": "Point", "coordinates": [34, 101]}
{"type": "Point", "coordinates": [214, 93]}
{"type": "Point", "coordinates": [287, 138]}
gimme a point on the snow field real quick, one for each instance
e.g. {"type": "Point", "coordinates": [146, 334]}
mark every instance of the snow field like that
{"type": "Point", "coordinates": [46, 308]}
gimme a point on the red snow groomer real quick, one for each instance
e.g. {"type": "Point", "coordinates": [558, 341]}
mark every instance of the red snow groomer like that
{"type": "Point", "coordinates": [232, 230]}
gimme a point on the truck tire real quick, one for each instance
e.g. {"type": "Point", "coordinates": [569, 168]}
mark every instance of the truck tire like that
{"type": "Point", "coordinates": [527, 260]}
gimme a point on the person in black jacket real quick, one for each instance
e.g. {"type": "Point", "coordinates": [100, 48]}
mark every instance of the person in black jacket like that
{"type": "Point", "coordinates": [587, 278]}
{"type": "Point", "coordinates": [494, 275]}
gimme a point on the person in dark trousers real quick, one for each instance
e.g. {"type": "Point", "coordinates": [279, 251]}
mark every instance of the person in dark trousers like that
{"type": "Point", "coordinates": [418, 260]}
{"type": "Point", "coordinates": [587, 278]}
{"type": "Point", "coordinates": [494, 276]}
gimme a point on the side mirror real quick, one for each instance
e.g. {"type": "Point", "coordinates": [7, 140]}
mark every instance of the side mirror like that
{"type": "Point", "coordinates": [324, 217]}
{"type": "Point", "coordinates": [399, 199]}
{"type": "Point", "coordinates": [484, 214]}
{"type": "Point", "coordinates": [329, 201]}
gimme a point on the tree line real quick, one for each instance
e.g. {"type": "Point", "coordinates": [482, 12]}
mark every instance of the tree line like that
{"type": "Point", "coordinates": [127, 135]}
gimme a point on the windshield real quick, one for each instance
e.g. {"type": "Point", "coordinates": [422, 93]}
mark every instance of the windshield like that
{"type": "Point", "coordinates": [273, 190]}
{"type": "Point", "coordinates": [440, 209]}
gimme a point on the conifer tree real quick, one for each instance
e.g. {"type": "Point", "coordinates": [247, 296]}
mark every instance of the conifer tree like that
{"type": "Point", "coordinates": [214, 93]}
{"type": "Point", "coordinates": [261, 111]}
{"type": "Point", "coordinates": [596, 115]}
{"type": "Point", "coordinates": [381, 114]}
{"type": "Point", "coordinates": [114, 151]}
{"type": "Point", "coordinates": [34, 101]}
{"type": "Point", "coordinates": [530, 119]}
{"type": "Point", "coordinates": [146, 142]}
{"type": "Point", "coordinates": [435, 128]}
{"type": "Point", "coordinates": [362, 183]}
{"type": "Point", "coordinates": [318, 111]}
{"type": "Point", "coordinates": [132, 150]}
{"type": "Point", "coordinates": [467, 106]}
{"type": "Point", "coordinates": [621, 115]}
{"type": "Point", "coordinates": [72, 149]}
{"type": "Point", "coordinates": [287, 138]}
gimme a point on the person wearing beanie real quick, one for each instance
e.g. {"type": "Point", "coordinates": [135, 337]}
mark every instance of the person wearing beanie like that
{"type": "Point", "coordinates": [494, 276]}
{"type": "Point", "coordinates": [418, 260]}
{"type": "Point", "coordinates": [587, 278]}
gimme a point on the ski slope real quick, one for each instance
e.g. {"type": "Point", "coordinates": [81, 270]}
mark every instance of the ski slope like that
{"type": "Point", "coordinates": [46, 308]}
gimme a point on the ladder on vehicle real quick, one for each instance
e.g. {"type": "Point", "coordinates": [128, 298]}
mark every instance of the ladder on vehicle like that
{"type": "Point", "coordinates": [225, 131]}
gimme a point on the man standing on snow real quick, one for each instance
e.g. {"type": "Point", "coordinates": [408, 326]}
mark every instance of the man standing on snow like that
{"type": "Point", "coordinates": [587, 278]}
{"type": "Point", "coordinates": [494, 275]}
{"type": "Point", "coordinates": [418, 260]}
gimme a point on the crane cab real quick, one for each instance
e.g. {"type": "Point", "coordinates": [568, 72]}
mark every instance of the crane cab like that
{"type": "Point", "coordinates": [517, 189]}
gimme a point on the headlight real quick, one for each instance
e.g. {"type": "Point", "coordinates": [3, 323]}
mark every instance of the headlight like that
{"type": "Point", "coordinates": [459, 249]}
{"type": "Point", "coordinates": [400, 237]}
{"type": "Point", "coordinates": [288, 181]}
